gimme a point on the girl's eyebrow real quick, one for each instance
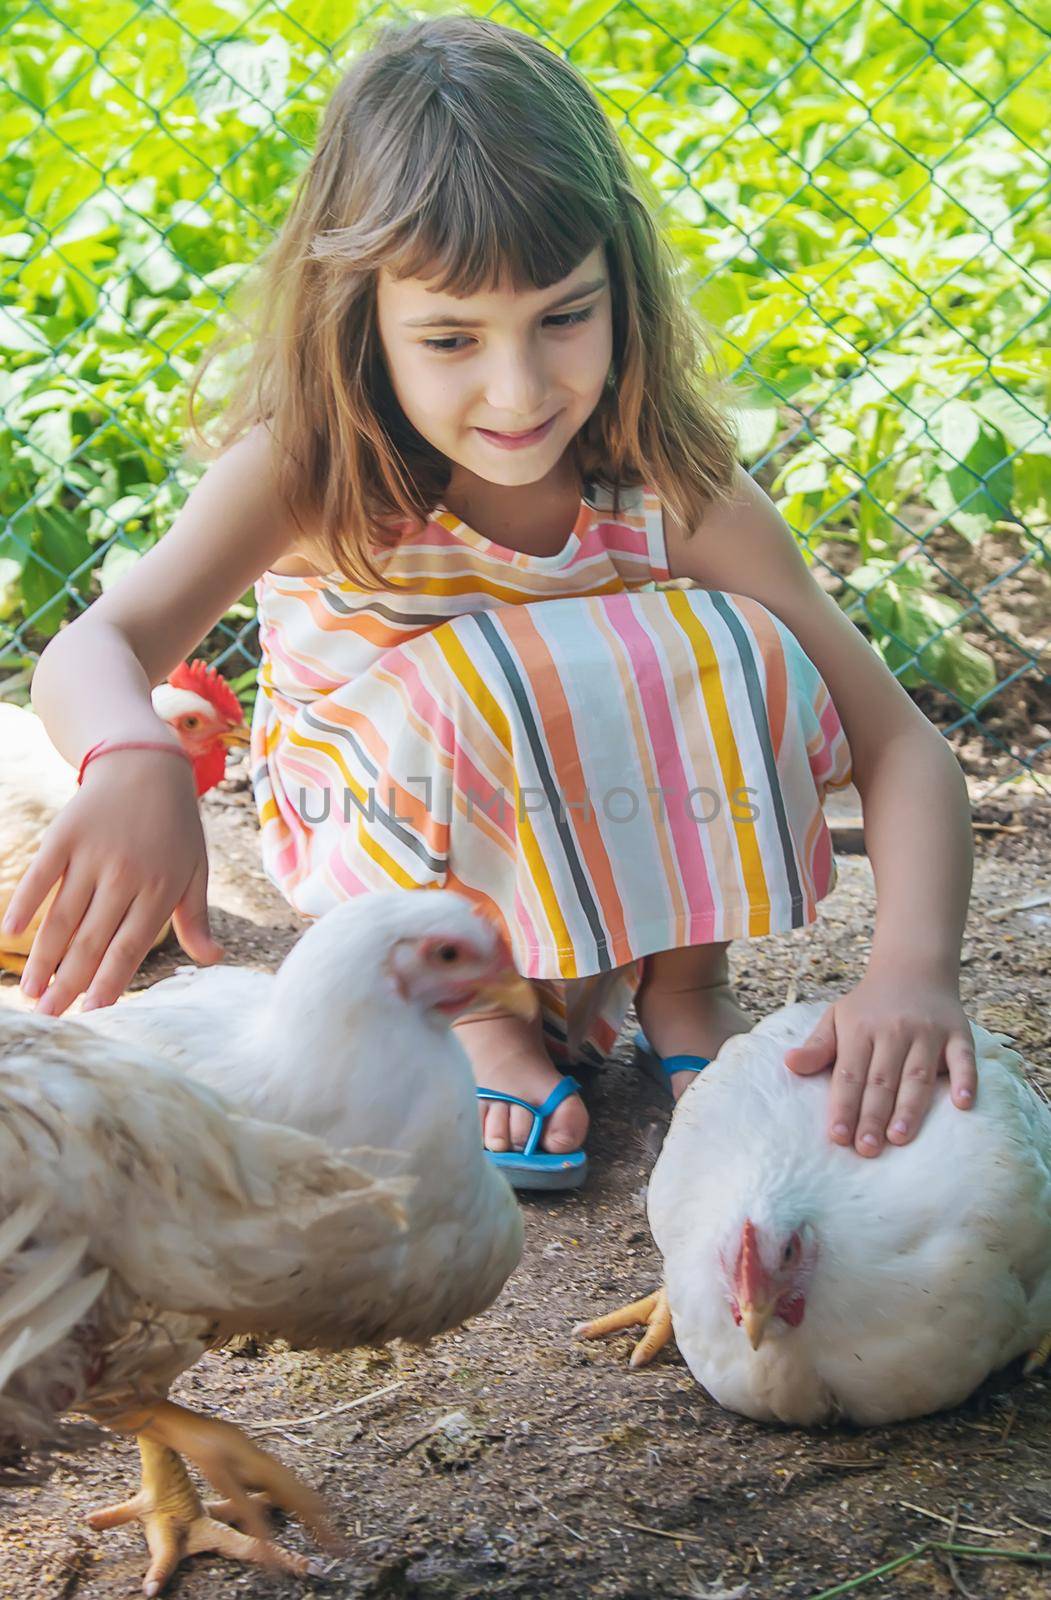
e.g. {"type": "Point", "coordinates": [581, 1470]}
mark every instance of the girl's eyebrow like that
{"type": "Point", "coordinates": [439, 320]}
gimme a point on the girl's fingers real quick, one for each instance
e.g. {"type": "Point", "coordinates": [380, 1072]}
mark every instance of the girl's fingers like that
{"type": "Point", "coordinates": [963, 1070]}
{"type": "Point", "coordinates": [915, 1092]}
{"type": "Point", "coordinates": [47, 867]}
{"type": "Point", "coordinates": [61, 921]}
{"type": "Point", "coordinates": [818, 1051]}
{"type": "Point", "coordinates": [125, 951]}
{"type": "Point", "coordinates": [847, 1087]}
{"type": "Point", "coordinates": [102, 927]}
{"type": "Point", "coordinates": [880, 1094]}
{"type": "Point", "coordinates": [190, 921]}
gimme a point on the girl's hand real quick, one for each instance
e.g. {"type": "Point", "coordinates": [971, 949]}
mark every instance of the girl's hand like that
{"type": "Point", "coordinates": [130, 852]}
{"type": "Point", "coordinates": [889, 1038]}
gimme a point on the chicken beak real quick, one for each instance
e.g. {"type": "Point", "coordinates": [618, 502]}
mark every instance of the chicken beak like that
{"type": "Point", "coordinates": [754, 1319]}
{"type": "Point", "coordinates": [237, 735]}
{"type": "Point", "coordinates": [511, 992]}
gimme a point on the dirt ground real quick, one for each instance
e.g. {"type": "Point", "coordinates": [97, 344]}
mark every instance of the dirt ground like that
{"type": "Point", "coordinates": [510, 1460]}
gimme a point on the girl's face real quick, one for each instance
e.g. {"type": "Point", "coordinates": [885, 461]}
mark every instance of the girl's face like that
{"type": "Point", "coordinates": [525, 359]}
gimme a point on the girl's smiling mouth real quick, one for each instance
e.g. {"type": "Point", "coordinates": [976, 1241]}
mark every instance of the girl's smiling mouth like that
{"type": "Point", "coordinates": [516, 441]}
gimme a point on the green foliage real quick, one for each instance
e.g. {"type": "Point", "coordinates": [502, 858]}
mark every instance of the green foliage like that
{"type": "Point", "coordinates": [855, 195]}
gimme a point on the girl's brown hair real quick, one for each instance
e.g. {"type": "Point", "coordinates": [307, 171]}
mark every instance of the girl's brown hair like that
{"type": "Point", "coordinates": [468, 154]}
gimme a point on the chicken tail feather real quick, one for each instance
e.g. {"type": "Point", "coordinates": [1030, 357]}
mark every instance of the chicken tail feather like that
{"type": "Point", "coordinates": [41, 1280]}
{"type": "Point", "coordinates": [60, 1315]}
{"type": "Point", "coordinates": [44, 1294]}
{"type": "Point", "coordinates": [16, 1229]}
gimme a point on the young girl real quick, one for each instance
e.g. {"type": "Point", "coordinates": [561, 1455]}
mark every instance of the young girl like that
{"type": "Point", "coordinates": [471, 446]}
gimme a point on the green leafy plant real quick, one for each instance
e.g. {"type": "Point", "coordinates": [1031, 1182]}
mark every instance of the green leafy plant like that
{"type": "Point", "coordinates": [864, 237]}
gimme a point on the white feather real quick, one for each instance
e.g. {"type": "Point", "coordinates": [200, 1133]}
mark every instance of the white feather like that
{"type": "Point", "coordinates": [20, 1224]}
{"type": "Point", "coordinates": [329, 1045]}
{"type": "Point", "coordinates": [37, 1284]}
{"type": "Point", "coordinates": [934, 1259]}
{"type": "Point", "coordinates": [61, 1314]}
{"type": "Point", "coordinates": [143, 1219]}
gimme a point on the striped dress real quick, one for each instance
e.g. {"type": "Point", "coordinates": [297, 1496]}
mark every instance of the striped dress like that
{"type": "Point", "coordinates": [608, 767]}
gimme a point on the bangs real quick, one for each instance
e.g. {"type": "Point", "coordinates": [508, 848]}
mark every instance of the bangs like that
{"type": "Point", "coordinates": [479, 231]}
{"type": "Point", "coordinates": [470, 157]}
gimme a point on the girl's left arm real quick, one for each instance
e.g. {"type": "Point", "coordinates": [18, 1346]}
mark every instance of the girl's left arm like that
{"type": "Point", "coordinates": [892, 1034]}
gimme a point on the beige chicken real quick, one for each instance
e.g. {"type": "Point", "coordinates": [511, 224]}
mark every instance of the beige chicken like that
{"type": "Point", "coordinates": [143, 1221]}
{"type": "Point", "coordinates": [142, 1218]}
{"type": "Point", "coordinates": [36, 781]}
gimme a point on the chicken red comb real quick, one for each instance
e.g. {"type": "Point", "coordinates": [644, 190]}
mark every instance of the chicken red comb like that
{"type": "Point", "coordinates": [200, 678]}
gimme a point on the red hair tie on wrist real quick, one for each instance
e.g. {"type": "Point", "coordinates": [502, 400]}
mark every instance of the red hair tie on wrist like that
{"type": "Point", "coordinates": [104, 748]}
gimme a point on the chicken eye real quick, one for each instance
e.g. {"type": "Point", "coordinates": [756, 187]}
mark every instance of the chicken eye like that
{"type": "Point", "coordinates": [788, 1253]}
{"type": "Point", "coordinates": [448, 952]}
{"type": "Point", "coordinates": [191, 722]}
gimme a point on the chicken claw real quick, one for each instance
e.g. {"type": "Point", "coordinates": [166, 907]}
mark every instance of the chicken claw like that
{"type": "Point", "coordinates": [652, 1311]}
{"type": "Point", "coordinates": [232, 1463]}
{"type": "Point", "coordinates": [178, 1524]}
{"type": "Point", "coordinates": [1038, 1357]}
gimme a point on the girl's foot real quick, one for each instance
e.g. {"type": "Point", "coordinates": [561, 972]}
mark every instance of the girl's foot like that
{"type": "Point", "coordinates": [508, 1054]}
{"type": "Point", "coordinates": [698, 1019]}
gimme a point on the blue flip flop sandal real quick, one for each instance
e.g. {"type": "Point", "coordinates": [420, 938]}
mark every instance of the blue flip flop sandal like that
{"type": "Point", "coordinates": [660, 1068]}
{"type": "Point", "coordinates": [530, 1167]}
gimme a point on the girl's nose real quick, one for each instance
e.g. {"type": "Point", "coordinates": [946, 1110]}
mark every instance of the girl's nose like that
{"type": "Point", "coordinates": [516, 394]}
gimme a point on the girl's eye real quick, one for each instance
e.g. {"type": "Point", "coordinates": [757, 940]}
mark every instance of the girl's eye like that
{"type": "Point", "coordinates": [565, 319]}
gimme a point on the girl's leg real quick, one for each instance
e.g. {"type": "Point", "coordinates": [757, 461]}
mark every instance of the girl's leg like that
{"type": "Point", "coordinates": [685, 1003]}
{"type": "Point", "coordinates": [509, 1054]}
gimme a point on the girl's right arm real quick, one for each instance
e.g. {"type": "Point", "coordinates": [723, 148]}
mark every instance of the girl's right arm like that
{"type": "Point", "coordinates": [129, 847]}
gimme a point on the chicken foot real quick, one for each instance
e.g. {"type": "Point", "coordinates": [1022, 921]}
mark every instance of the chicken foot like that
{"type": "Point", "coordinates": [178, 1523]}
{"type": "Point", "coordinates": [1038, 1357]}
{"type": "Point", "coordinates": [651, 1312]}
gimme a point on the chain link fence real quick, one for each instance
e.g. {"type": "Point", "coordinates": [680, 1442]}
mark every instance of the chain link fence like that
{"type": "Point", "coordinates": [857, 194]}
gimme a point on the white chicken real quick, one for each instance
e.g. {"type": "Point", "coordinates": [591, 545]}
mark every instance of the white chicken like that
{"type": "Point", "coordinates": [143, 1221]}
{"type": "Point", "coordinates": [807, 1284]}
{"type": "Point", "coordinates": [350, 1041]}
{"type": "Point", "coordinates": [36, 782]}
